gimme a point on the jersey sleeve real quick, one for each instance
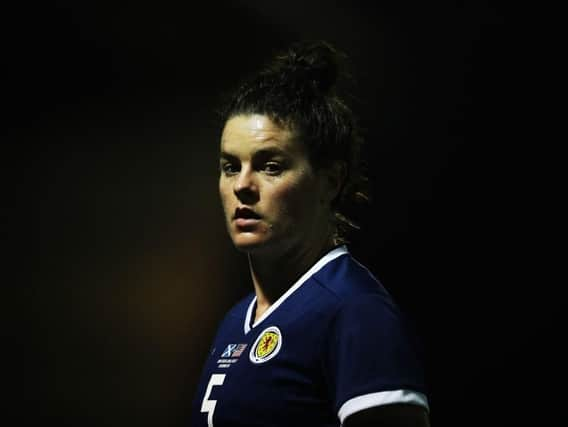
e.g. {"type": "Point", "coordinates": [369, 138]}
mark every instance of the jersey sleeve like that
{"type": "Point", "coordinates": [372, 357]}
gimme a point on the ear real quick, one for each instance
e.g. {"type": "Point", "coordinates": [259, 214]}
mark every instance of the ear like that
{"type": "Point", "coordinates": [334, 176]}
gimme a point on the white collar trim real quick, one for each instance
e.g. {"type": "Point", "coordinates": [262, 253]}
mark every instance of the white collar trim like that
{"type": "Point", "coordinates": [330, 256]}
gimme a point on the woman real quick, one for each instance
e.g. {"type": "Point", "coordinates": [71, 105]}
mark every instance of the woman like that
{"type": "Point", "coordinates": [319, 342]}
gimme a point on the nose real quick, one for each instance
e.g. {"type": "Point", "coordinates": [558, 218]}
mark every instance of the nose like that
{"type": "Point", "coordinates": [245, 186]}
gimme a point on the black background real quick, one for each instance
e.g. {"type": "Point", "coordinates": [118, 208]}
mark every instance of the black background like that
{"type": "Point", "coordinates": [111, 193]}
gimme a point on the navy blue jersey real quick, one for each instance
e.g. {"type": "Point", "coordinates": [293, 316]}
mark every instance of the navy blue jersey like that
{"type": "Point", "coordinates": [332, 345]}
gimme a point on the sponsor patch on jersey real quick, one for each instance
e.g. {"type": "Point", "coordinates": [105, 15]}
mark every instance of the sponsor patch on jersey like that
{"type": "Point", "coordinates": [266, 346]}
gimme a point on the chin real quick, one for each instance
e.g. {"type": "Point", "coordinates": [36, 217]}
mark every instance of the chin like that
{"type": "Point", "coordinates": [250, 243]}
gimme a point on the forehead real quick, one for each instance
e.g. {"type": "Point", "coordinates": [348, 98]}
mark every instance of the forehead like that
{"type": "Point", "coordinates": [245, 134]}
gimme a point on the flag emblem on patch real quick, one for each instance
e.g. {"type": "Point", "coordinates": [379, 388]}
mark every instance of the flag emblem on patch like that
{"type": "Point", "coordinates": [234, 350]}
{"type": "Point", "coordinates": [266, 346]}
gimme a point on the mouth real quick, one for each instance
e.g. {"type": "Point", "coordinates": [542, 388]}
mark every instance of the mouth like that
{"type": "Point", "coordinates": [245, 213]}
{"type": "Point", "coordinates": [245, 217]}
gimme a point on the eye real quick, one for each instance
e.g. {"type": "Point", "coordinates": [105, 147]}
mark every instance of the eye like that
{"type": "Point", "coordinates": [229, 168]}
{"type": "Point", "coordinates": [273, 168]}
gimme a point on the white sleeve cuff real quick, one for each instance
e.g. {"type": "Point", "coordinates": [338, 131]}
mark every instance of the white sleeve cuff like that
{"type": "Point", "coordinates": [370, 400]}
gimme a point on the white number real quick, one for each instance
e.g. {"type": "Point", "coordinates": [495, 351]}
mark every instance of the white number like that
{"type": "Point", "coordinates": [209, 405]}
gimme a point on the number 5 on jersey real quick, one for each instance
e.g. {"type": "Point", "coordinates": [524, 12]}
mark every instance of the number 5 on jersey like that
{"type": "Point", "coordinates": [207, 405]}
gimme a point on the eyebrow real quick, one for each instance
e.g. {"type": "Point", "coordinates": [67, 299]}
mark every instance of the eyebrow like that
{"type": "Point", "coordinates": [263, 152]}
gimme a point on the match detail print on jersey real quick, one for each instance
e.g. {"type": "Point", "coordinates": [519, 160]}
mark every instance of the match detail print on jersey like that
{"type": "Point", "coordinates": [230, 355]}
{"type": "Point", "coordinates": [266, 346]}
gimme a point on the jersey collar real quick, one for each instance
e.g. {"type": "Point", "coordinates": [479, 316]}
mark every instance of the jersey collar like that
{"type": "Point", "coordinates": [330, 256]}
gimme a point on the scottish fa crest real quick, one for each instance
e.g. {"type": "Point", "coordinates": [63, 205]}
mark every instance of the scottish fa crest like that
{"type": "Point", "coordinates": [266, 346]}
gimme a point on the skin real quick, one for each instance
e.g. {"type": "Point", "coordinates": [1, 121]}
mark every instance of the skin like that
{"type": "Point", "coordinates": [265, 167]}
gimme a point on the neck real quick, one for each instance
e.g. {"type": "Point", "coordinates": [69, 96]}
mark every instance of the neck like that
{"type": "Point", "coordinates": [273, 275]}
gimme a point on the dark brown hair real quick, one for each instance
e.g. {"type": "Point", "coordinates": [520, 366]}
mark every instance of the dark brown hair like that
{"type": "Point", "coordinates": [297, 90]}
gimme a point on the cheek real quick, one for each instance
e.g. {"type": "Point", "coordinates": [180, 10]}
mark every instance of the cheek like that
{"type": "Point", "coordinates": [294, 200]}
{"type": "Point", "coordinates": [224, 195]}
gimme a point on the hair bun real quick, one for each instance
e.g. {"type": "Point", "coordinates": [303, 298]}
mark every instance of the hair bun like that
{"type": "Point", "coordinates": [312, 65]}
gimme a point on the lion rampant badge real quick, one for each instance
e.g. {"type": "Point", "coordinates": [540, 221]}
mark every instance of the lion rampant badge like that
{"type": "Point", "coordinates": [266, 346]}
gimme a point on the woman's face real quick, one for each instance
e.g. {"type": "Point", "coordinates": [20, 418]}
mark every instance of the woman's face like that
{"type": "Point", "coordinates": [272, 198]}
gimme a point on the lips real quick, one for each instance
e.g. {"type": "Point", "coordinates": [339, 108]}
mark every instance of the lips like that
{"type": "Point", "coordinates": [246, 219]}
{"type": "Point", "coordinates": [245, 213]}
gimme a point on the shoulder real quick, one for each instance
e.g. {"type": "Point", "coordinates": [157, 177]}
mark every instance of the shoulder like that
{"type": "Point", "coordinates": [234, 318]}
{"type": "Point", "coordinates": [357, 306]}
{"type": "Point", "coordinates": [371, 353]}
{"type": "Point", "coordinates": [241, 306]}
{"type": "Point", "coordinates": [351, 285]}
